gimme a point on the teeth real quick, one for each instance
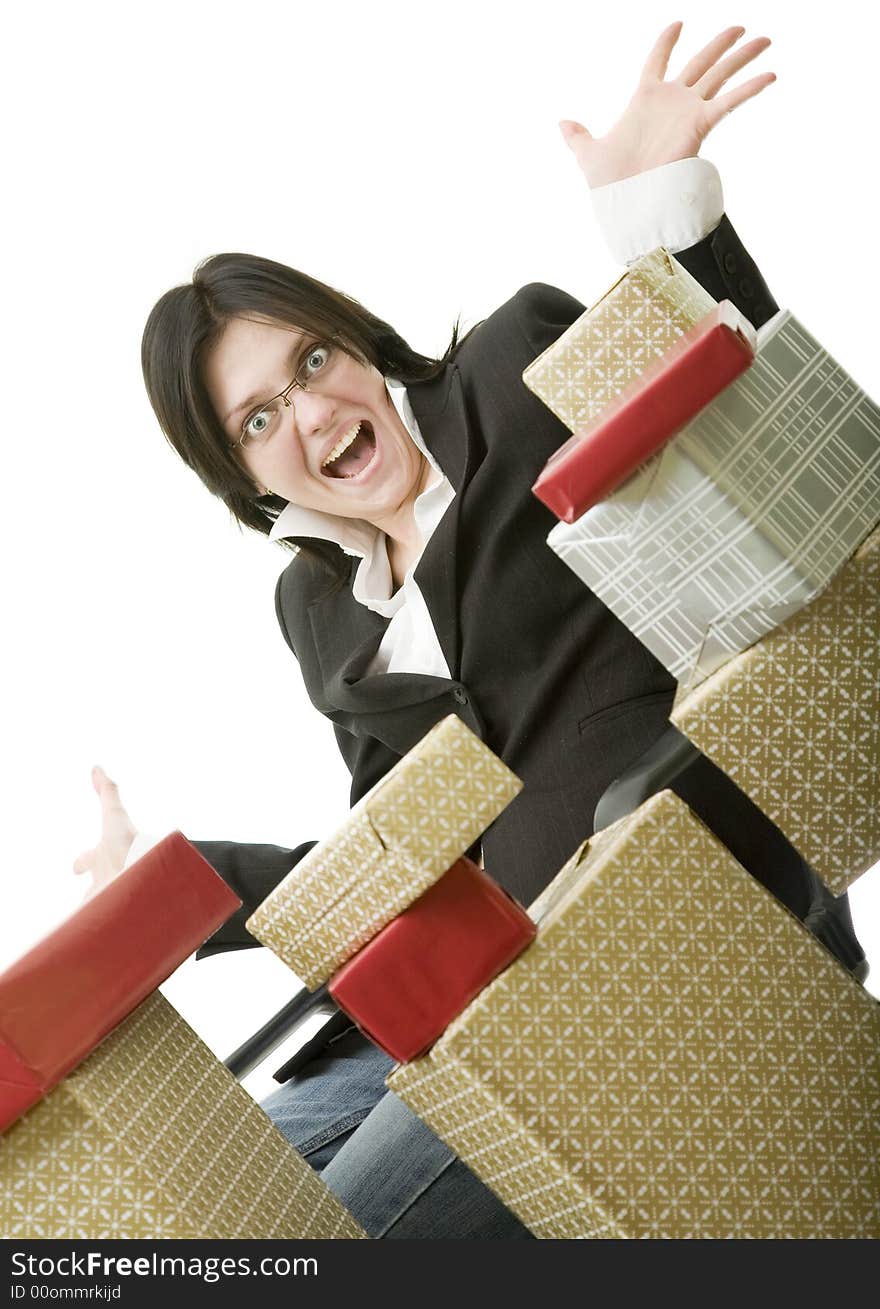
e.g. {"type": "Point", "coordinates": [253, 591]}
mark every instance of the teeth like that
{"type": "Point", "coordinates": [342, 444]}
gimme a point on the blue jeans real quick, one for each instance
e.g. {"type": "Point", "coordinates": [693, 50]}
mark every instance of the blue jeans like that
{"type": "Point", "coordinates": [390, 1170]}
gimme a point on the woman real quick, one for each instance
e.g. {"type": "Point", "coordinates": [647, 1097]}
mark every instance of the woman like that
{"type": "Point", "coordinates": [423, 584]}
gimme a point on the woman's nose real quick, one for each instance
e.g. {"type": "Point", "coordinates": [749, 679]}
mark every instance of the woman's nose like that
{"type": "Point", "coordinates": [313, 412]}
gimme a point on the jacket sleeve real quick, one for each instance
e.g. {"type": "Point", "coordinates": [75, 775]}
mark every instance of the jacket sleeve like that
{"type": "Point", "coordinates": [251, 871]}
{"type": "Point", "coordinates": [721, 263]}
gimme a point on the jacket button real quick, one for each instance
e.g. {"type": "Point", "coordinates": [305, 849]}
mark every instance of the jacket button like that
{"type": "Point", "coordinates": [730, 262]}
{"type": "Point", "coordinates": [747, 287]}
{"type": "Point", "coordinates": [460, 695]}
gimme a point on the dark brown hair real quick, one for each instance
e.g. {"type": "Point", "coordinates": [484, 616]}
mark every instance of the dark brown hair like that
{"type": "Point", "coordinates": [187, 322]}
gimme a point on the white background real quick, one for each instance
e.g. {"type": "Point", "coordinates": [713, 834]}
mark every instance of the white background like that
{"type": "Point", "coordinates": [407, 153]}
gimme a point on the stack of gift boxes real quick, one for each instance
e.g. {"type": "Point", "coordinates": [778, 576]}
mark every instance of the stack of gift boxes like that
{"type": "Point", "coordinates": [118, 1121]}
{"type": "Point", "coordinates": [740, 542]}
{"type": "Point", "coordinates": [390, 912]}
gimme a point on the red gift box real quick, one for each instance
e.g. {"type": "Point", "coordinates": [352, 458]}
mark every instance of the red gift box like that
{"type": "Point", "coordinates": [407, 984]}
{"type": "Point", "coordinates": [60, 1000]}
{"type": "Point", "coordinates": [649, 412]}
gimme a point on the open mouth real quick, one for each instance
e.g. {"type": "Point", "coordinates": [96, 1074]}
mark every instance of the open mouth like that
{"type": "Point", "coordinates": [352, 453]}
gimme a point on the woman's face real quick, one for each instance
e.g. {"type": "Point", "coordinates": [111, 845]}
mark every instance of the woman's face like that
{"type": "Point", "coordinates": [374, 476]}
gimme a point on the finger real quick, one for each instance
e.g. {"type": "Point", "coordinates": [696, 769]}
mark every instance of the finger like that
{"type": "Point", "coordinates": [572, 130]}
{"type": "Point", "coordinates": [700, 63]}
{"type": "Point", "coordinates": [100, 778]}
{"type": "Point", "coordinates": [658, 60]}
{"type": "Point", "coordinates": [108, 791]}
{"type": "Point", "coordinates": [712, 82]}
{"type": "Point", "coordinates": [717, 109]}
{"type": "Point", "coordinates": [83, 863]}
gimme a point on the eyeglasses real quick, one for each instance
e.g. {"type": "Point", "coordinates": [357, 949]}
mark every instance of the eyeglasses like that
{"type": "Point", "coordinates": [315, 369]}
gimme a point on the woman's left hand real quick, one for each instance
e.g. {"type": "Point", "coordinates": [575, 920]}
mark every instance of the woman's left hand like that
{"type": "Point", "coordinates": [668, 120]}
{"type": "Point", "coordinates": [107, 858]}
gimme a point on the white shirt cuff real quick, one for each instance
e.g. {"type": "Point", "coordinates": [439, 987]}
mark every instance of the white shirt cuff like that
{"type": "Point", "coordinates": [139, 847]}
{"type": "Point", "coordinates": [675, 205]}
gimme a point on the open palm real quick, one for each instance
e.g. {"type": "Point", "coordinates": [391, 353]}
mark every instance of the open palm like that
{"type": "Point", "coordinates": [668, 120]}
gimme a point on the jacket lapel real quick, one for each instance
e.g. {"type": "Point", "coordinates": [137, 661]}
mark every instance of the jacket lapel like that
{"type": "Point", "coordinates": [440, 413]}
{"type": "Point", "coordinates": [395, 708]}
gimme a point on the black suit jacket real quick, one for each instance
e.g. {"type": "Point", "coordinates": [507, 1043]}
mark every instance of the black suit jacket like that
{"type": "Point", "coordinates": [541, 669]}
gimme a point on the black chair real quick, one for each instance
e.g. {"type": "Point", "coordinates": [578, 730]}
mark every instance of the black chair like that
{"type": "Point", "coordinates": [282, 1025]}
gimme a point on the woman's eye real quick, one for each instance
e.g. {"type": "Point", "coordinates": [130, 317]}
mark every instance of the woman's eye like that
{"type": "Point", "coordinates": [258, 425]}
{"type": "Point", "coordinates": [316, 359]}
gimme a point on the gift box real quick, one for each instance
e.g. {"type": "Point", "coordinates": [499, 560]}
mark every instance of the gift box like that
{"type": "Point", "coordinates": [63, 997]}
{"type": "Point", "coordinates": [151, 1138]}
{"type": "Point", "coordinates": [674, 1056]}
{"type": "Point", "coordinates": [609, 346]}
{"type": "Point", "coordinates": [795, 721]}
{"type": "Point", "coordinates": [407, 984]}
{"type": "Point", "coordinates": [745, 516]}
{"type": "Point", "coordinates": [669, 393]}
{"type": "Point", "coordinates": [397, 841]}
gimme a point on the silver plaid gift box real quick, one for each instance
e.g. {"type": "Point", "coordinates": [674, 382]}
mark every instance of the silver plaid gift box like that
{"type": "Point", "coordinates": [743, 518]}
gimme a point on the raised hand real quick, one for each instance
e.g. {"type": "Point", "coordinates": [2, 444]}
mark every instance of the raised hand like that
{"type": "Point", "coordinates": [107, 858]}
{"type": "Point", "coordinates": [669, 120]}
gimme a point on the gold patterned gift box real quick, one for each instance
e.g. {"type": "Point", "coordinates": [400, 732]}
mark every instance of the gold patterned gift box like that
{"type": "Point", "coordinates": [151, 1137]}
{"type": "Point", "coordinates": [795, 721]}
{"type": "Point", "coordinates": [397, 841]}
{"type": "Point", "coordinates": [644, 313]}
{"type": "Point", "coordinates": [745, 516]}
{"type": "Point", "coordinates": [675, 1056]}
